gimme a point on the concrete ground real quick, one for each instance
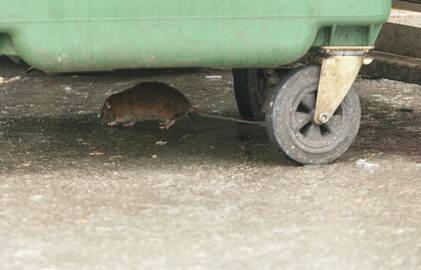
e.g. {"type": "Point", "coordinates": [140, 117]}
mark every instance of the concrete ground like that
{"type": "Point", "coordinates": [205, 194]}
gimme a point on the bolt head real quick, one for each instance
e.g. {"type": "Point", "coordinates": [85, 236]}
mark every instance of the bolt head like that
{"type": "Point", "coordinates": [324, 118]}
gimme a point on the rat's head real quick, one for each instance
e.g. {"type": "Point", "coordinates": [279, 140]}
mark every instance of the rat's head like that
{"type": "Point", "coordinates": [108, 115]}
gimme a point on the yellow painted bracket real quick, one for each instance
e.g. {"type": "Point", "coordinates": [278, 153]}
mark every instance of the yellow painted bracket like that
{"type": "Point", "coordinates": [338, 74]}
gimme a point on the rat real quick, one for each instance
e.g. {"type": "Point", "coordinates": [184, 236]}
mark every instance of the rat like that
{"type": "Point", "coordinates": [152, 101]}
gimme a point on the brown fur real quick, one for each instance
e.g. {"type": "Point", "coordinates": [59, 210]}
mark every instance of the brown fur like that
{"type": "Point", "coordinates": [146, 101]}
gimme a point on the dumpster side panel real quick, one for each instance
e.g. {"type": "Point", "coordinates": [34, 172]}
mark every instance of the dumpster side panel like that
{"type": "Point", "coordinates": [160, 47]}
{"type": "Point", "coordinates": [80, 35]}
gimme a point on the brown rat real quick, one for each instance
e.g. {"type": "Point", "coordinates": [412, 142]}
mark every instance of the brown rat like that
{"type": "Point", "coordinates": [152, 101]}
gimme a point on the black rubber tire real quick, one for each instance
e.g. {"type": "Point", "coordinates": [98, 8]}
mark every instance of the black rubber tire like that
{"type": "Point", "coordinates": [291, 107]}
{"type": "Point", "coordinates": [250, 87]}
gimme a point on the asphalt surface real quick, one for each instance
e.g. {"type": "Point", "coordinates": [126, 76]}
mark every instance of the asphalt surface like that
{"type": "Point", "coordinates": [206, 194]}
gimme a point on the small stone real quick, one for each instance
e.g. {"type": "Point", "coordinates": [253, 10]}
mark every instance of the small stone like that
{"type": "Point", "coordinates": [368, 165]}
{"type": "Point", "coordinates": [17, 78]}
{"type": "Point", "coordinates": [68, 90]}
{"type": "Point", "coordinates": [97, 153]}
{"type": "Point", "coordinates": [214, 77]}
{"type": "Point", "coordinates": [161, 143]}
{"type": "Point", "coordinates": [37, 198]}
{"type": "Point", "coordinates": [154, 156]}
{"type": "Point", "coordinates": [363, 192]}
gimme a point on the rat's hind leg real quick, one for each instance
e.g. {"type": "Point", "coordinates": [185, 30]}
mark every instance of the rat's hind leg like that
{"type": "Point", "coordinates": [167, 124]}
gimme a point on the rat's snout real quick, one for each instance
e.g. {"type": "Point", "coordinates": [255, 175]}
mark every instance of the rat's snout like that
{"type": "Point", "coordinates": [105, 116]}
{"type": "Point", "coordinates": [107, 113]}
{"type": "Point", "coordinates": [102, 118]}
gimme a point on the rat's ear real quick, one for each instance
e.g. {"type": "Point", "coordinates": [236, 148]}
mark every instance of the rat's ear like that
{"type": "Point", "coordinates": [108, 104]}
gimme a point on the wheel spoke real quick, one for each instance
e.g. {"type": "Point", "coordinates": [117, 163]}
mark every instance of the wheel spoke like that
{"type": "Point", "coordinates": [338, 111]}
{"type": "Point", "coordinates": [314, 132]}
{"type": "Point", "coordinates": [334, 124]}
{"type": "Point", "coordinates": [302, 119]}
{"type": "Point", "coordinates": [309, 101]}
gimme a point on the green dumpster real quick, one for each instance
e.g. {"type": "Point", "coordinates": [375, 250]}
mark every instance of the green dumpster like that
{"type": "Point", "coordinates": [96, 35]}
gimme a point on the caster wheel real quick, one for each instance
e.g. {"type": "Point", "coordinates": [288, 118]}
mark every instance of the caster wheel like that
{"type": "Point", "coordinates": [291, 126]}
{"type": "Point", "coordinates": [282, 72]}
{"type": "Point", "coordinates": [250, 86]}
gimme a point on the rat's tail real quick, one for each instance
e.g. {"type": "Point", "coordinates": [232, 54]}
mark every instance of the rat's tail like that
{"type": "Point", "coordinates": [232, 119]}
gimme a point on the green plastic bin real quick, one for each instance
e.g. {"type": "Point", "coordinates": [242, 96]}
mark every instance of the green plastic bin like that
{"type": "Point", "coordinates": [94, 35]}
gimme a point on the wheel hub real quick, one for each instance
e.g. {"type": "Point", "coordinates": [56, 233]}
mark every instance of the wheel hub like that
{"type": "Point", "coordinates": [307, 130]}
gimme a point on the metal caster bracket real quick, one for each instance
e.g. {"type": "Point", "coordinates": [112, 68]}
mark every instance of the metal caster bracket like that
{"type": "Point", "coordinates": [339, 70]}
